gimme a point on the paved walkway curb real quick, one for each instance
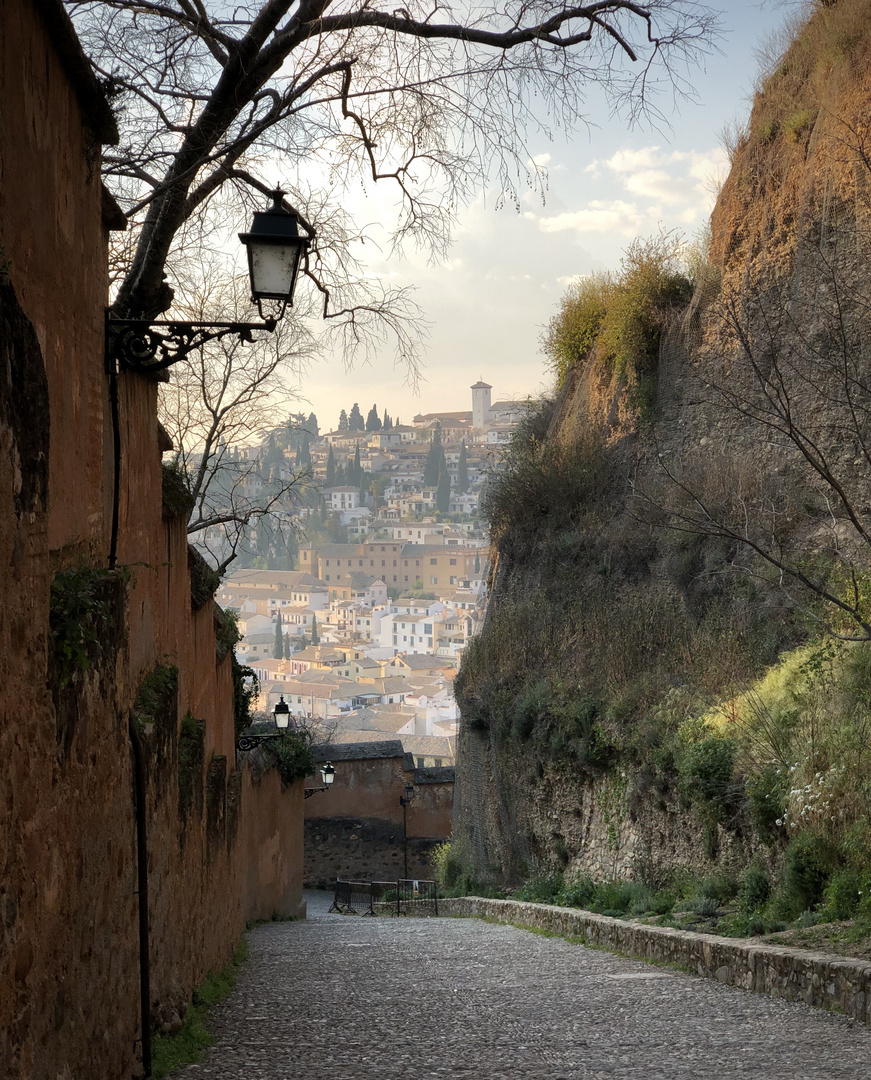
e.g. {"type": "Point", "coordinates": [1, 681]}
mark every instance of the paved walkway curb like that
{"type": "Point", "coordinates": [831, 982]}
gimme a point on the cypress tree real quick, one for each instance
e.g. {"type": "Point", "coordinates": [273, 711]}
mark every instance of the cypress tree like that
{"type": "Point", "coordinates": [443, 492]}
{"type": "Point", "coordinates": [278, 647]}
{"type": "Point", "coordinates": [355, 419]}
{"type": "Point", "coordinates": [331, 469]}
{"type": "Point", "coordinates": [355, 477]}
{"type": "Point", "coordinates": [315, 638]}
{"type": "Point", "coordinates": [435, 460]}
{"type": "Point", "coordinates": [462, 472]}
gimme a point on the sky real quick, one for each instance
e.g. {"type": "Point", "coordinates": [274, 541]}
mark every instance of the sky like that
{"type": "Point", "coordinates": [487, 303]}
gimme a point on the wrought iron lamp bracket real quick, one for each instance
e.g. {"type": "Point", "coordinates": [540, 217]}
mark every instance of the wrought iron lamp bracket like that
{"type": "Point", "coordinates": [309, 791]}
{"type": "Point", "coordinates": [150, 347]}
{"type": "Point", "coordinates": [248, 742]}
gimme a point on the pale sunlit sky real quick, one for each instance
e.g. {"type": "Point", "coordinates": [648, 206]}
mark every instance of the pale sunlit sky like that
{"type": "Point", "coordinates": [504, 276]}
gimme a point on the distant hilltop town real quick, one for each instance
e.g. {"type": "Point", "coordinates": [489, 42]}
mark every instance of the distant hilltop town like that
{"type": "Point", "coordinates": [358, 615]}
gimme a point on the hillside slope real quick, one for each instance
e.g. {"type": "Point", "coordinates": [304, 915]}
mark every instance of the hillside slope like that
{"type": "Point", "coordinates": [675, 525]}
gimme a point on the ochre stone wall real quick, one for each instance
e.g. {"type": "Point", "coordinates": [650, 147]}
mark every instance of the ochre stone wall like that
{"type": "Point", "coordinates": [69, 947]}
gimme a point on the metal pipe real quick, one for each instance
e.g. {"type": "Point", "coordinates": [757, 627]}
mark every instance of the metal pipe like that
{"type": "Point", "coordinates": [142, 875]}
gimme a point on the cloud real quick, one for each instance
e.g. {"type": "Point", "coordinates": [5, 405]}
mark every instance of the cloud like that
{"type": "Point", "coordinates": [598, 216]}
{"type": "Point", "coordinates": [660, 187]}
{"type": "Point", "coordinates": [631, 161]}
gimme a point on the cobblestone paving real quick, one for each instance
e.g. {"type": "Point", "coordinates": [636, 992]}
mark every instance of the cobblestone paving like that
{"type": "Point", "coordinates": [347, 998]}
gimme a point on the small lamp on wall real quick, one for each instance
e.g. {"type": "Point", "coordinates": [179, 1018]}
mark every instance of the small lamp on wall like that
{"type": "Point", "coordinates": [328, 775]}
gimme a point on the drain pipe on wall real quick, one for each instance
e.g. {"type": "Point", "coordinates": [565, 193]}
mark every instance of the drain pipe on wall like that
{"type": "Point", "coordinates": [142, 868]}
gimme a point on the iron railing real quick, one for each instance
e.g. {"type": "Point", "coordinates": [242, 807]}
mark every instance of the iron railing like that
{"type": "Point", "coordinates": [407, 896]}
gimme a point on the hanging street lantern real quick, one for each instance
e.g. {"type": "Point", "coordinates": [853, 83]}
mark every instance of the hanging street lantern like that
{"type": "Point", "coordinates": [275, 252]}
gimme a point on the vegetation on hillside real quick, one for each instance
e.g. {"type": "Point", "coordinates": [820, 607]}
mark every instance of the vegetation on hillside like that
{"type": "Point", "coordinates": [616, 321]}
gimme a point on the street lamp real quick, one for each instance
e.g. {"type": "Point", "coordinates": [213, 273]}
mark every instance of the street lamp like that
{"type": "Point", "coordinates": [328, 775]}
{"type": "Point", "coordinates": [281, 717]}
{"type": "Point", "coordinates": [275, 252]}
{"type": "Point", "coordinates": [403, 802]}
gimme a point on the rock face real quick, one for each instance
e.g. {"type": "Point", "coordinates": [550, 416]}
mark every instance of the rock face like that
{"type": "Point", "coordinates": [756, 459]}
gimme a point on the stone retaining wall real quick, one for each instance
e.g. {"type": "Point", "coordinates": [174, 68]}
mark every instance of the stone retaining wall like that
{"type": "Point", "coordinates": [830, 982]}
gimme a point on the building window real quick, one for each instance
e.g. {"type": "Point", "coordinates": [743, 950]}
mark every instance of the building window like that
{"type": "Point", "coordinates": [405, 578]}
{"type": "Point", "coordinates": [432, 562]}
{"type": "Point", "coordinates": [433, 580]}
{"type": "Point", "coordinates": [453, 562]}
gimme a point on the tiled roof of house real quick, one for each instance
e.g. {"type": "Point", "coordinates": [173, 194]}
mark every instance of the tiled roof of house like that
{"type": "Point", "coordinates": [382, 748]}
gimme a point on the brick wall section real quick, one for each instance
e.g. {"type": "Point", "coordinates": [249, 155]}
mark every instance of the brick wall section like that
{"type": "Point", "coordinates": [830, 982]}
{"type": "Point", "coordinates": [355, 830]}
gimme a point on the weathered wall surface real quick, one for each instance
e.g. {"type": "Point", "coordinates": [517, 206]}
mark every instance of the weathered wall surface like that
{"type": "Point", "coordinates": [356, 830]}
{"type": "Point", "coordinates": [272, 883]}
{"type": "Point", "coordinates": [222, 846]}
{"type": "Point", "coordinates": [516, 816]}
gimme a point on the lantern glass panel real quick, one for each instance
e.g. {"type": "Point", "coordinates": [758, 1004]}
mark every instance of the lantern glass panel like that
{"type": "Point", "coordinates": [273, 269]}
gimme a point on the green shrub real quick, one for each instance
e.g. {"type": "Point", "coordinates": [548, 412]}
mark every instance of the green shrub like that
{"type": "Point", "coordinates": [797, 124]}
{"type": "Point", "coordinates": [293, 756]}
{"type": "Point", "coordinates": [807, 865]}
{"type": "Point", "coordinates": [577, 893]}
{"type": "Point", "coordinates": [699, 905]}
{"type": "Point", "coordinates": [843, 893]}
{"type": "Point", "coordinates": [614, 897]}
{"type": "Point", "coordinates": [769, 129]}
{"type": "Point", "coordinates": [722, 886]}
{"type": "Point", "coordinates": [529, 710]}
{"type": "Point", "coordinates": [706, 769]}
{"type": "Point", "coordinates": [572, 333]}
{"type": "Point", "coordinates": [541, 888]}
{"type": "Point", "coordinates": [767, 793]}
{"type": "Point", "coordinates": [85, 618]}
{"type": "Point", "coordinates": [755, 888]}
{"type": "Point", "coordinates": [446, 865]}
{"type": "Point", "coordinates": [662, 902]}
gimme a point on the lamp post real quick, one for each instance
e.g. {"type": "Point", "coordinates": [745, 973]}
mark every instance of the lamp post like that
{"type": "Point", "coordinates": [275, 252]}
{"type": "Point", "coordinates": [328, 775]}
{"type": "Point", "coordinates": [281, 716]}
{"type": "Point", "coordinates": [404, 800]}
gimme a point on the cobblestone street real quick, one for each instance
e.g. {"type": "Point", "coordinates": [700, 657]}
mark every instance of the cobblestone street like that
{"type": "Point", "coordinates": [345, 998]}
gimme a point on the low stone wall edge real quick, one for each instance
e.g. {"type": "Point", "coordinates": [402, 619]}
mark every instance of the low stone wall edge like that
{"type": "Point", "coordinates": [825, 980]}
